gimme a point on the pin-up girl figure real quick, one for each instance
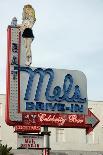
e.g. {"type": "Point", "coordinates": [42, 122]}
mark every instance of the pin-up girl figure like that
{"type": "Point", "coordinates": [28, 20]}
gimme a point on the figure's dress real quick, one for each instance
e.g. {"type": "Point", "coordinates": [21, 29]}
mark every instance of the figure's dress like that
{"type": "Point", "coordinates": [28, 33]}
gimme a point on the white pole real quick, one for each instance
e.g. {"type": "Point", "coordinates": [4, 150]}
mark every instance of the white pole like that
{"type": "Point", "coordinates": [46, 134]}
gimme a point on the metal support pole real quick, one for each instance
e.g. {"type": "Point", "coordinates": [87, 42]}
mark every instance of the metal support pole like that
{"type": "Point", "coordinates": [46, 133]}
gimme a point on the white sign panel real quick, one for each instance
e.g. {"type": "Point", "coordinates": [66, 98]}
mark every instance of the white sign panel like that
{"type": "Point", "coordinates": [52, 90]}
{"type": "Point", "coordinates": [30, 141]}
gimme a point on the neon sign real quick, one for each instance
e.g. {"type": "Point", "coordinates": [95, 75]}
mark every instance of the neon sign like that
{"type": "Point", "coordinates": [53, 107]}
{"type": "Point", "coordinates": [39, 90]}
{"type": "Point", "coordinates": [39, 96]}
{"type": "Point", "coordinates": [54, 120]}
{"type": "Point", "coordinates": [67, 86]}
{"type": "Point", "coordinates": [66, 98]}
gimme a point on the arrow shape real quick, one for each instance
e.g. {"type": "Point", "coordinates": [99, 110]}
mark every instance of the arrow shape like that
{"type": "Point", "coordinates": [90, 121]}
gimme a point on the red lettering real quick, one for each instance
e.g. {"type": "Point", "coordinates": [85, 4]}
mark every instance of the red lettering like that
{"type": "Point", "coordinates": [33, 141]}
{"type": "Point", "coordinates": [26, 140]}
{"type": "Point", "coordinates": [37, 145]}
{"type": "Point", "coordinates": [29, 145]}
{"type": "Point", "coordinates": [23, 145]}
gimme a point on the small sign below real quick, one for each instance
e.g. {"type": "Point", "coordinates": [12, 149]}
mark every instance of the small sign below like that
{"type": "Point", "coordinates": [30, 141]}
{"type": "Point", "coordinates": [27, 129]}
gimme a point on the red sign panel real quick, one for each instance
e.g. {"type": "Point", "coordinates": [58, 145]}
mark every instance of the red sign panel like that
{"type": "Point", "coordinates": [54, 120]}
{"type": "Point", "coordinates": [62, 120]}
{"type": "Point", "coordinates": [22, 128]}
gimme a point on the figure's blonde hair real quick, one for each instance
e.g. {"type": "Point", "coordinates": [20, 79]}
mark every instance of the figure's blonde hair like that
{"type": "Point", "coordinates": [28, 13]}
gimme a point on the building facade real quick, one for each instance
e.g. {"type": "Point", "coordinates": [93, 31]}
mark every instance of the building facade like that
{"type": "Point", "coordinates": [61, 139]}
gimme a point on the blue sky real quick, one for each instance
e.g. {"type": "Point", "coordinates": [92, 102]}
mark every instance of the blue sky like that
{"type": "Point", "coordinates": [68, 35]}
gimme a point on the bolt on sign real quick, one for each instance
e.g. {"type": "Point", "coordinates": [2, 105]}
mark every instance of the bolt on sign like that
{"type": "Point", "coordinates": [40, 96]}
{"type": "Point", "coordinates": [30, 141]}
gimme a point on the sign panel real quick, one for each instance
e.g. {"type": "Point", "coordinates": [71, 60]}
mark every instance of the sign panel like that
{"type": "Point", "coordinates": [30, 141]}
{"type": "Point", "coordinates": [52, 90]}
{"type": "Point", "coordinates": [27, 128]}
{"type": "Point", "coordinates": [54, 120]}
{"type": "Point", "coordinates": [88, 121]}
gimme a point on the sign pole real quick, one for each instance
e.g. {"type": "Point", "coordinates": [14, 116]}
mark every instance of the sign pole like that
{"type": "Point", "coordinates": [46, 133]}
